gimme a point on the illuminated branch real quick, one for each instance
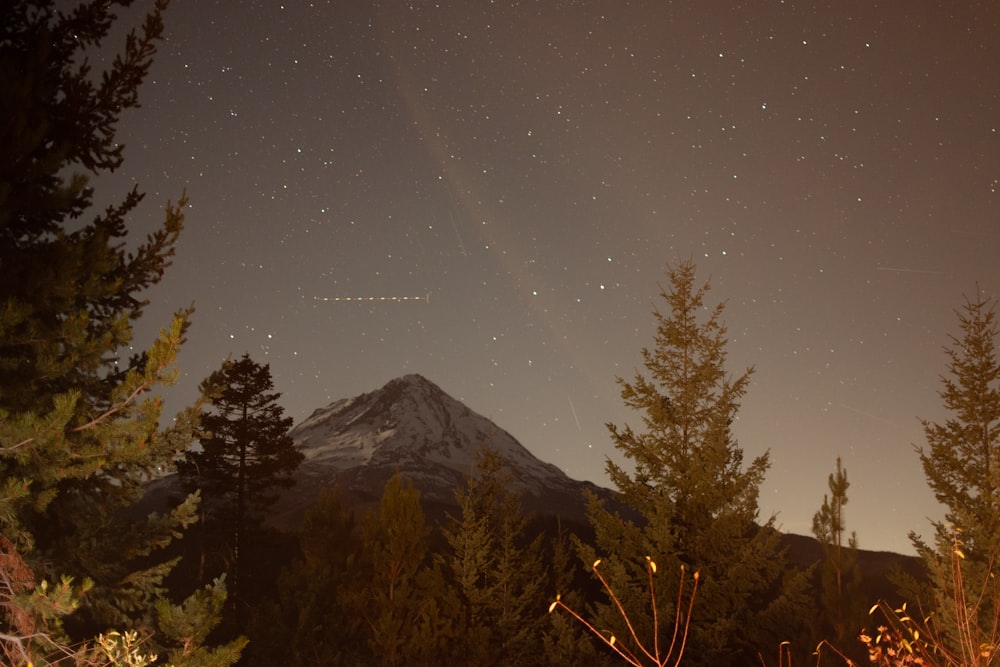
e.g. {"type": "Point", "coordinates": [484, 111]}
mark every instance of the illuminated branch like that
{"type": "Point", "coordinates": [654, 656]}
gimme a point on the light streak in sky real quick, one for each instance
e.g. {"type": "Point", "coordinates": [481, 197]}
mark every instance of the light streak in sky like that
{"type": "Point", "coordinates": [573, 410]}
{"type": "Point", "coordinates": [461, 246]}
{"type": "Point", "coordinates": [900, 269]}
{"type": "Point", "coordinates": [425, 298]}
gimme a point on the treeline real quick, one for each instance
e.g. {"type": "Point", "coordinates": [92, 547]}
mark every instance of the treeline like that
{"type": "Point", "coordinates": [393, 588]}
{"type": "Point", "coordinates": [687, 564]}
{"type": "Point", "coordinates": [88, 578]}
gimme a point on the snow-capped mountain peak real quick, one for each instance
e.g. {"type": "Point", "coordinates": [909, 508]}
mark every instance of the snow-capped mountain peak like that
{"type": "Point", "coordinates": [412, 426]}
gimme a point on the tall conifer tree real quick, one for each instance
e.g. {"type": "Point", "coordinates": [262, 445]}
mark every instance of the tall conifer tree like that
{"type": "Point", "coordinates": [401, 602]}
{"type": "Point", "coordinates": [565, 642]}
{"type": "Point", "coordinates": [696, 499]}
{"type": "Point", "coordinates": [494, 570]}
{"type": "Point", "coordinates": [79, 429]}
{"type": "Point", "coordinates": [314, 618]}
{"type": "Point", "coordinates": [246, 453]}
{"type": "Point", "coordinates": [962, 464]}
{"type": "Point", "coordinates": [842, 608]}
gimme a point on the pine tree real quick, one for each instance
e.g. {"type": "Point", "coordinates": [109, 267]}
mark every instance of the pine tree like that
{"type": "Point", "coordinates": [403, 604]}
{"type": "Point", "coordinates": [962, 464]}
{"type": "Point", "coordinates": [842, 608]}
{"type": "Point", "coordinates": [79, 427]}
{"type": "Point", "coordinates": [314, 618]}
{"type": "Point", "coordinates": [245, 455]}
{"type": "Point", "coordinates": [494, 570]}
{"type": "Point", "coordinates": [565, 642]}
{"type": "Point", "coordinates": [698, 503]}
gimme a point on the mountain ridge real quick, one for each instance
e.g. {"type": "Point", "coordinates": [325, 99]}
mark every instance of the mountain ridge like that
{"type": "Point", "coordinates": [412, 426]}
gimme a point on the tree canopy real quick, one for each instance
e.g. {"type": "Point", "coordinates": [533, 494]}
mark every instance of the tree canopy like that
{"type": "Point", "coordinates": [961, 461]}
{"type": "Point", "coordinates": [841, 602]}
{"type": "Point", "coordinates": [696, 499]}
{"type": "Point", "coordinates": [246, 452]}
{"type": "Point", "coordinates": [493, 569]}
{"type": "Point", "coordinates": [79, 425]}
{"type": "Point", "coordinates": [245, 455]}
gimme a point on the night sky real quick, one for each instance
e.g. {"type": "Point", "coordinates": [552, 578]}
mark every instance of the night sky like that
{"type": "Point", "coordinates": [529, 170]}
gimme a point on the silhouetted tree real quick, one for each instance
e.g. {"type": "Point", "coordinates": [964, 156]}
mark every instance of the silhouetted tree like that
{"type": "Point", "coordinates": [842, 607]}
{"type": "Point", "coordinates": [79, 428]}
{"type": "Point", "coordinates": [697, 500]}
{"type": "Point", "coordinates": [403, 602]}
{"type": "Point", "coordinates": [962, 464]}
{"type": "Point", "coordinates": [315, 619]}
{"type": "Point", "coordinates": [495, 572]}
{"type": "Point", "coordinates": [246, 453]}
{"type": "Point", "coordinates": [566, 642]}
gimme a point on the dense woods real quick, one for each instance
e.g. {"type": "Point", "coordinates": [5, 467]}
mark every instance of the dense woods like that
{"type": "Point", "coordinates": [83, 564]}
{"type": "Point", "coordinates": [80, 424]}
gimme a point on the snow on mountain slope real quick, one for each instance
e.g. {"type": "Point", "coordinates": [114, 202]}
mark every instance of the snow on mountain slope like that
{"type": "Point", "coordinates": [411, 425]}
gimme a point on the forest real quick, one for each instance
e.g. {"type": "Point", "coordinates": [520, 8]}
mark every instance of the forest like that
{"type": "Point", "coordinates": [683, 569]}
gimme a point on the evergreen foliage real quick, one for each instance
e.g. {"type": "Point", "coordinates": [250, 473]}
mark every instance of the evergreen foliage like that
{"type": "Point", "coordinates": [494, 570]}
{"type": "Point", "coordinates": [79, 427]}
{"type": "Point", "coordinates": [313, 619]}
{"type": "Point", "coordinates": [697, 502]}
{"type": "Point", "coordinates": [189, 624]}
{"type": "Point", "coordinates": [565, 642]}
{"type": "Point", "coordinates": [369, 596]}
{"type": "Point", "coordinates": [962, 464]}
{"type": "Point", "coordinates": [403, 605]}
{"type": "Point", "coordinates": [841, 603]}
{"type": "Point", "coordinates": [246, 454]}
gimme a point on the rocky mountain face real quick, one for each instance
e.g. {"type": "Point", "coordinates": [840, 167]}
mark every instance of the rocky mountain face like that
{"type": "Point", "coordinates": [412, 426]}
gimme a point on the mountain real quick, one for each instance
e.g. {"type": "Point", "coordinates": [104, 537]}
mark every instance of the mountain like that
{"type": "Point", "coordinates": [413, 426]}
